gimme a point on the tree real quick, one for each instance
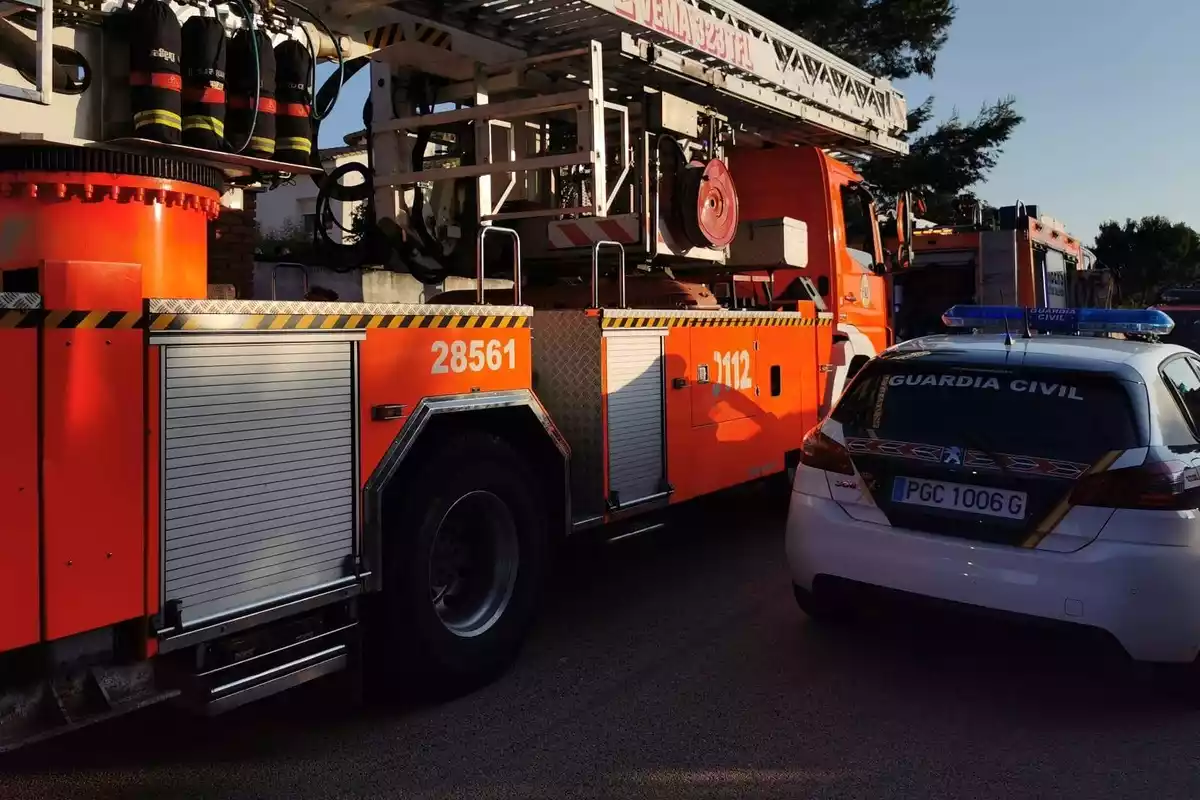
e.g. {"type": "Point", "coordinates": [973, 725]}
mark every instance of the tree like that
{"type": "Point", "coordinates": [896, 38]}
{"type": "Point", "coordinates": [944, 163]}
{"type": "Point", "coordinates": [901, 39]}
{"type": "Point", "coordinates": [1149, 254]}
{"type": "Point", "coordinates": [289, 238]}
{"type": "Point", "coordinates": [359, 222]}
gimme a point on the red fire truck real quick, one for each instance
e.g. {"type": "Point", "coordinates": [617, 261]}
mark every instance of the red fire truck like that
{"type": "Point", "coordinates": [215, 500]}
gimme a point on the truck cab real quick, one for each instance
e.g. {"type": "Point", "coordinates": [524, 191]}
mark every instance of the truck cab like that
{"type": "Point", "coordinates": [1018, 258]}
{"type": "Point", "coordinates": [845, 256]}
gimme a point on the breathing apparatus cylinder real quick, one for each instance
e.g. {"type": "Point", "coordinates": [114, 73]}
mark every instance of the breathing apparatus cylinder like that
{"type": "Point", "coordinates": [155, 45]}
{"type": "Point", "coordinates": [293, 120]}
{"type": "Point", "coordinates": [251, 133]}
{"type": "Point", "coordinates": [204, 55]}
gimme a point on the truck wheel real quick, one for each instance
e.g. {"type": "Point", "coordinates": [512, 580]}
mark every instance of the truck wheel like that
{"type": "Point", "coordinates": [464, 566]}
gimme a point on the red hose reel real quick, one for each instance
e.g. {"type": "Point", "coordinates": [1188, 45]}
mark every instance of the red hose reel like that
{"type": "Point", "coordinates": [710, 213]}
{"type": "Point", "coordinates": [698, 199]}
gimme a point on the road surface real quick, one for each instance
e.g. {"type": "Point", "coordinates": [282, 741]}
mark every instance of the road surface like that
{"type": "Point", "coordinates": [677, 665]}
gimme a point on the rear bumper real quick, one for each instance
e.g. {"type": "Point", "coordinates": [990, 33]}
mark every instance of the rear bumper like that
{"type": "Point", "coordinates": [1146, 596]}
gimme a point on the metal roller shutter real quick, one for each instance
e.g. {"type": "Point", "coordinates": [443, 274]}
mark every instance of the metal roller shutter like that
{"type": "Point", "coordinates": [634, 390]}
{"type": "Point", "coordinates": [258, 480]}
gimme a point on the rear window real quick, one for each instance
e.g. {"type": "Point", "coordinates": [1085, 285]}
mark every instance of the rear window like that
{"type": "Point", "coordinates": [1036, 412]}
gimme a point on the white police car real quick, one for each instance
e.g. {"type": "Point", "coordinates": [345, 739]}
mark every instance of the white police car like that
{"type": "Point", "coordinates": [1048, 476]}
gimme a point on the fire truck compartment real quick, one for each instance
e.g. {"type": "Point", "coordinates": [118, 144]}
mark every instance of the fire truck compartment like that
{"type": "Point", "coordinates": [604, 389]}
{"type": "Point", "coordinates": [258, 459]}
{"type": "Point", "coordinates": [19, 590]}
{"type": "Point", "coordinates": [633, 395]}
{"type": "Point", "coordinates": [998, 277]}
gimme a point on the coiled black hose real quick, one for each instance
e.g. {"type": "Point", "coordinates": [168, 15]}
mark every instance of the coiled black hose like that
{"type": "Point", "coordinates": [380, 240]}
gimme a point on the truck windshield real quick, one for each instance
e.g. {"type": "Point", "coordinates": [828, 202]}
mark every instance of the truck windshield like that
{"type": "Point", "coordinates": [859, 227]}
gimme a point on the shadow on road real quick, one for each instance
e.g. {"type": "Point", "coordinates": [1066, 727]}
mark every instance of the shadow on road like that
{"type": "Point", "coordinates": [674, 664]}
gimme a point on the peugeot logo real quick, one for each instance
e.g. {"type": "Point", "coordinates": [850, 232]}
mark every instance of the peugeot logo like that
{"type": "Point", "coordinates": [952, 456]}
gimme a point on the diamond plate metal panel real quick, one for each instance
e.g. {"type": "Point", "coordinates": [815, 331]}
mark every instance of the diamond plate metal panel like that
{"type": "Point", "coordinates": [20, 301]}
{"type": "Point", "coordinates": [566, 369]}
{"type": "Point", "coordinates": [171, 306]}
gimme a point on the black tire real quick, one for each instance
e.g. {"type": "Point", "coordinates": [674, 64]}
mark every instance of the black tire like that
{"type": "Point", "coordinates": [821, 609]}
{"type": "Point", "coordinates": [422, 649]}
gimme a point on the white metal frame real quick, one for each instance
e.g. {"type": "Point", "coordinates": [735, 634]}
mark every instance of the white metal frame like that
{"type": "Point", "coordinates": [44, 42]}
{"type": "Point", "coordinates": [812, 95]}
{"type": "Point", "coordinates": [392, 146]}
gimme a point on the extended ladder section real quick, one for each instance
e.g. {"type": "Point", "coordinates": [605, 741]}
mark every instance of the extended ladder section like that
{"type": "Point", "coordinates": [768, 79]}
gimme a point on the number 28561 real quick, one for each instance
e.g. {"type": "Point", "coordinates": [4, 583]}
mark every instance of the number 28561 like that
{"type": "Point", "coordinates": [474, 355]}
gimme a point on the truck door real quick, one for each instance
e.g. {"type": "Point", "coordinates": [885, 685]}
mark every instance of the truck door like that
{"type": "Point", "coordinates": [1050, 272]}
{"type": "Point", "coordinates": [633, 389]}
{"type": "Point", "coordinates": [724, 389]}
{"type": "Point", "coordinates": [861, 295]}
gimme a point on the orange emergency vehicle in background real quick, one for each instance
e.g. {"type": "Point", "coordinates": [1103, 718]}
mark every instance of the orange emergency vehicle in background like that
{"type": "Point", "coordinates": [1020, 258]}
{"type": "Point", "coordinates": [216, 500]}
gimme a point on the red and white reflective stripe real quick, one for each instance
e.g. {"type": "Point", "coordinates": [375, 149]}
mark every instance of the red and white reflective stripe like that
{"type": "Point", "coordinates": [589, 230]}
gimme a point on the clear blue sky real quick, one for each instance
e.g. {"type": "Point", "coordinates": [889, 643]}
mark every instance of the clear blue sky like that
{"type": "Point", "coordinates": [1110, 91]}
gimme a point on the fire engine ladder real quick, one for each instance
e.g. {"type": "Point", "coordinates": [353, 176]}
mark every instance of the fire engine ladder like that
{"type": "Point", "coordinates": [512, 65]}
{"type": "Point", "coordinates": [714, 52]}
{"type": "Point", "coordinates": [43, 46]}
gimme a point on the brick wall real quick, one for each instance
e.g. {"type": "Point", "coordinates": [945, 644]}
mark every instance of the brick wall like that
{"type": "Point", "coordinates": [231, 242]}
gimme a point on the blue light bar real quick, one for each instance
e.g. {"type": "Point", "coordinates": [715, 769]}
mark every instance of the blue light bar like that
{"type": "Point", "coordinates": [1061, 320]}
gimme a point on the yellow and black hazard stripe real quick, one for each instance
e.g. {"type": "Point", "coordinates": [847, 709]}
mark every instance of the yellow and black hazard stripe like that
{"type": "Point", "coordinates": [424, 34]}
{"type": "Point", "coordinates": [100, 320]}
{"type": "Point", "coordinates": [434, 37]}
{"type": "Point", "coordinates": [712, 322]}
{"type": "Point", "coordinates": [128, 320]}
{"type": "Point", "coordinates": [328, 322]}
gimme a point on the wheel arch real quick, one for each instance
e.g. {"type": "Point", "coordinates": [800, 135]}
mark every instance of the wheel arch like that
{"type": "Point", "coordinates": [515, 416]}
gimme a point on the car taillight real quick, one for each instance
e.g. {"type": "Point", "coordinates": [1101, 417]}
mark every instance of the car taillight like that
{"type": "Point", "coordinates": [821, 452]}
{"type": "Point", "coordinates": [1161, 485]}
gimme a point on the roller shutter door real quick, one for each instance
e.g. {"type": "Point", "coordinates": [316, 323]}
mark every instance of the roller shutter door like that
{"type": "Point", "coordinates": [258, 478]}
{"type": "Point", "coordinates": [634, 391]}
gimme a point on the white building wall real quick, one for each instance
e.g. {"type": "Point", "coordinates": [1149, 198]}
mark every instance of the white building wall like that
{"type": "Point", "coordinates": [287, 206]}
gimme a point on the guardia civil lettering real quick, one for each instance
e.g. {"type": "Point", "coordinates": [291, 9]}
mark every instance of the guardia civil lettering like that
{"type": "Point", "coordinates": [1044, 388]}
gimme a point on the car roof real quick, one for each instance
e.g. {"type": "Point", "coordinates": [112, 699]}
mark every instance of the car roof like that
{"type": "Point", "coordinates": [1128, 359]}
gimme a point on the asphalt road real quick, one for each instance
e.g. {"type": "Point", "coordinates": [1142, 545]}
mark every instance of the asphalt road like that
{"type": "Point", "coordinates": [677, 665]}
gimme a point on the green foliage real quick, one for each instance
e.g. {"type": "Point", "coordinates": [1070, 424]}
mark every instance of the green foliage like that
{"type": "Point", "coordinates": [358, 224]}
{"type": "Point", "coordinates": [944, 163]}
{"type": "Point", "coordinates": [901, 39]}
{"type": "Point", "coordinates": [895, 38]}
{"type": "Point", "coordinates": [1149, 254]}
{"type": "Point", "coordinates": [290, 237]}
